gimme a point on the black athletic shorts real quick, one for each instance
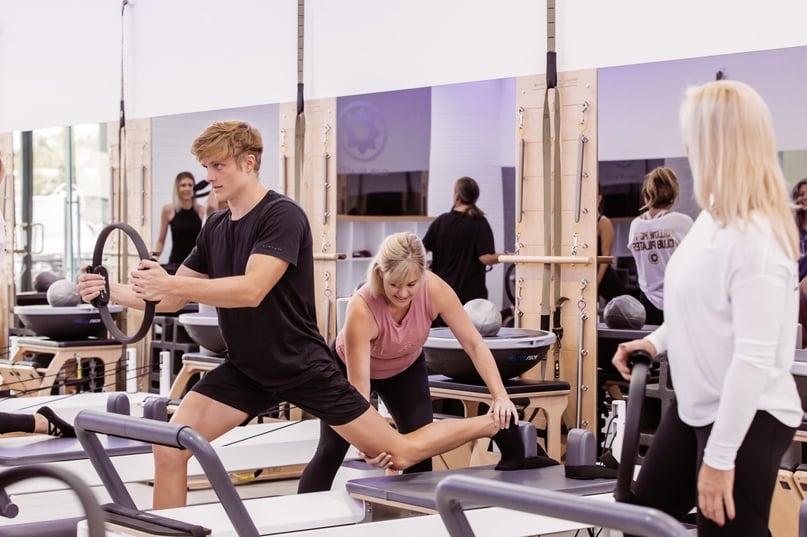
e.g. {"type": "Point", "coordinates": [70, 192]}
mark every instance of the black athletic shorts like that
{"type": "Point", "coordinates": [321, 390]}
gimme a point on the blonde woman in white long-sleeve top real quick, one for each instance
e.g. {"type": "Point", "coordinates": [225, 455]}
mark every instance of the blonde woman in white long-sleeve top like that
{"type": "Point", "coordinates": [730, 306]}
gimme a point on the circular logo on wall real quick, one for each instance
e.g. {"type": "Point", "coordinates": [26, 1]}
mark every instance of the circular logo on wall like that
{"type": "Point", "coordinates": [363, 130]}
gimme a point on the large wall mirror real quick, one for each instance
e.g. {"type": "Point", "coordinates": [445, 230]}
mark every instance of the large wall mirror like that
{"type": "Point", "coordinates": [383, 153]}
{"type": "Point", "coordinates": [639, 130]}
{"type": "Point", "coordinates": [62, 199]}
{"type": "Point", "coordinates": [172, 137]}
{"type": "Point", "coordinates": [63, 185]}
{"type": "Point", "coordinates": [399, 154]}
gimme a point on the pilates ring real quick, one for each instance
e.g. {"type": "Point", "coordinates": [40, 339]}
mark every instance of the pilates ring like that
{"type": "Point", "coordinates": [639, 362]}
{"type": "Point", "coordinates": [101, 302]}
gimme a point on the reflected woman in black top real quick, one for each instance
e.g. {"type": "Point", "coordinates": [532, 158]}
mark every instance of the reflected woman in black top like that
{"type": "Point", "coordinates": [461, 242]}
{"type": "Point", "coordinates": [184, 216]}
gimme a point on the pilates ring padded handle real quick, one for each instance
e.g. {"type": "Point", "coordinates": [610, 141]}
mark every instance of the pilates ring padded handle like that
{"type": "Point", "coordinates": [95, 516]}
{"type": "Point", "coordinates": [639, 362]}
{"type": "Point", "coordinates": [102, 300]}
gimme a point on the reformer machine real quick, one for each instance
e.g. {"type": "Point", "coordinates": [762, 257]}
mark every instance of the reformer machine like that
{"type": "Point", "coordinates": [242, 452]}
{"type": "Point", "coordinates": [264, 516]}
{"type": "Point", "coordinates": [233, 517]}
{"type": "Point", "coordinates": [283, 513]}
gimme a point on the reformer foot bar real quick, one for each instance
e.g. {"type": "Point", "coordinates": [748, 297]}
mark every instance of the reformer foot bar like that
{"type": "Point", "coordinates": [454, 493]}
{"type": "Point", "coordinates": [253, 447]}
{"type": "Point", "coordinates": [279, 514]}
{"type": "Point", "coordinates": [242, 449]}
{"type": "Point", "coordinates": [268, 515]}
{"type": "Point", "coordinates": [269, 440]}
{"type": "Point", "coordinates": [68, 405]}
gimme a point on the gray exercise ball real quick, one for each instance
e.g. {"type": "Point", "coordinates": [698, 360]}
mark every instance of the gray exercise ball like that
{"type": "Point", "coordinates": [43, 280]}
{"type": "Point", "coordinates": [63, 293]}
{"type": "Point", "coordinates": [624, 312]}
{"type": "Point", "coordinates": [485, 315]}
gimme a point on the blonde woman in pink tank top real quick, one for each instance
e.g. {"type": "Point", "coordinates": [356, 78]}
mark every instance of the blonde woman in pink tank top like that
{"type": "Point", "coordinates": [380, 348]}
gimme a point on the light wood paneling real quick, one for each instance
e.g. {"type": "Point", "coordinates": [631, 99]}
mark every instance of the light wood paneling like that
{"type": "Point", "coordinates": [7, 208]}
{"type": "Point", "coordinates": [319, 177]}
{"type": "Point", "coordinates": [131, 203]}
{"type": "Point", "coordinates": [574, 88]}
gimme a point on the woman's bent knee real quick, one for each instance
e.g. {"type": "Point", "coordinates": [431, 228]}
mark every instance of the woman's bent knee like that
{"type": "Point", "coordinates": [167, 456]}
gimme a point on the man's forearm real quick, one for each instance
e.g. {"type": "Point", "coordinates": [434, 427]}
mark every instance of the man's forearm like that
{"type": "Point", "coordinates": [123, 295]}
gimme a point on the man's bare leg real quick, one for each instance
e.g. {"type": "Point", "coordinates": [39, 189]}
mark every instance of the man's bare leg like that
{"type": "Point", "coordinates": [372, 434]}
{"type": "Point", "coordinates": [209, 418]}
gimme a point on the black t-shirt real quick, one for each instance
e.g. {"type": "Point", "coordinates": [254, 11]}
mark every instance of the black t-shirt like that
{"type": "Point", "coordinates": [456, 241]}
{"type": "Point", "coordinates": [277, 341]}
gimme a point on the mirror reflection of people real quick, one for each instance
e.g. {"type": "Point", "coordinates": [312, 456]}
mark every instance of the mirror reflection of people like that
{"type": "Point", "coordinates": [380, 348]}
{"type": "Point", "coordinates": [799, 195]}
{"type": "Point", "coordinates": [2, 226]}
{"type": "Point", "coordinates": [653, 237]}
{"type": "Point", "coordinates": [730, 302]}
{"type": "Point", "coordinates": [254, 263]}
{"type": "Point", "coordinates": [184, 217]}
{"type": "Point", "coordinates": [462, 245]}
{"type": "Point", "coordinates": [608, 283]}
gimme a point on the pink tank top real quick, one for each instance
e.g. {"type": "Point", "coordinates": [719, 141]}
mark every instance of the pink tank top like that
{"type": "Point", "coordinates": [398, 345]}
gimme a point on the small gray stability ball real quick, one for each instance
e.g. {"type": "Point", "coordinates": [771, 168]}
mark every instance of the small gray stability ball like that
{"type": "Point", "coordinates": [624, 311]}
{"type": "Point", "coordinates": [485, 315]}
{"type": "Point", "coordinates": [43, 280]}
{"type": "Point", "coordinates": [63, 293]}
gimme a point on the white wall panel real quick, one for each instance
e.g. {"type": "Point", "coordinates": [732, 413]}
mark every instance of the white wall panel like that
{"type": "Point", "coordinates": [191, 55]}
{"type": "Point", "coordinates": [60, 61]}
{"type": "Point", "coordinates": [639, 104]}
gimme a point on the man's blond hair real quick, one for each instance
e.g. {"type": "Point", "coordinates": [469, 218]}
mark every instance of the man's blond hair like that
{"type": "Point", "coordinates": [229, 139]}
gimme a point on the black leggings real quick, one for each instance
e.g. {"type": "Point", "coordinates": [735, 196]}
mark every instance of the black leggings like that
{"type": "Point", "coordinates": [669, 475]}
{"type": "Point", "coordinates": [17, 422]}
{"type": "Point", "coordinates": [653, 315]}
{"type": "Point", "coordinates": [406, 396]}
{"type": "Point", "coordinates": [610, 286]}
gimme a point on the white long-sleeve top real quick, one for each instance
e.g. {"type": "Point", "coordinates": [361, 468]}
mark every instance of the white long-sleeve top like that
{"type": "Point", "coordinates": [730, 312]}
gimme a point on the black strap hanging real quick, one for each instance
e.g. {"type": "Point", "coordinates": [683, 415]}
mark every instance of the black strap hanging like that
{"type": "Point", "coordinates": [551, 169]}
{"type": "Point", "coordinates": [299, 123]}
